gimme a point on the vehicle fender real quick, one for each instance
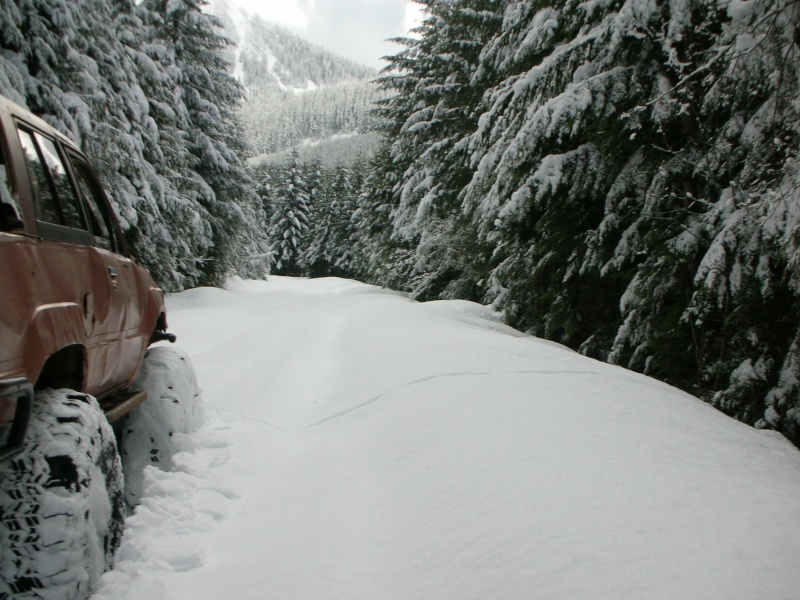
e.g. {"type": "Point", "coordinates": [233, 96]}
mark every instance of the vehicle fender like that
{"type": "Point", "coordinates": [52, 327]}
{"type": "Point", "coordinates": [154, 308]}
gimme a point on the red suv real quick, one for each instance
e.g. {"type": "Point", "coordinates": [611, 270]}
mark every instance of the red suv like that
{"type": "Point", "coordinates": [76, 318]}
{"type": "Point", "coordinates": [77, 312]}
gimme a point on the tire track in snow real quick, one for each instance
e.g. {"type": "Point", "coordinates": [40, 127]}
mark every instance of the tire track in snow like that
{"type": "Point", "coordinates": [423, 380]}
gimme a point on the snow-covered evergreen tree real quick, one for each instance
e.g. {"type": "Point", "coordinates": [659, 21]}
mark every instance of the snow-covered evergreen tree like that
{"type": "Point", "coordinates": [331, 237]}
{"type": "Point", "coordinates": [625, 155]}
{"type": "Point", "coordinates": [736, 202]}
{"type": "Point", "coordinates": [180, 230]}
{"type": "Point", "coordinates": [431, 111]}
{"type": "Point", "coordinates": [75, 70]}
{"type": "Point", "coordinates": [381, 257]}
{"type": "Point", "coordinates": [215, 140]}
{"type": "Point", "coordinates": [290, 218]}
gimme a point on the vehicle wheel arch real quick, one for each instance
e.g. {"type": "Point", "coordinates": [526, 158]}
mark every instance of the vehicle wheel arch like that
{"type": "Point", "coordinates": [55, 335]}
{"type": "Point", "coordinates": [65, 368]}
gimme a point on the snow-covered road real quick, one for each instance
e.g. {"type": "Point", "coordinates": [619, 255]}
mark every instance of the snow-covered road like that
{"type": "Point", "coordinates": [359, 445]}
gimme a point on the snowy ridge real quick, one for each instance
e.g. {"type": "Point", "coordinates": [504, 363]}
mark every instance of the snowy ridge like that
{"type": "Point", "coordinates": [272, 57]}
{"type": "Point", "coordinates": [296, 90]}
{"type": "Point", "coordinates": [362, 445]}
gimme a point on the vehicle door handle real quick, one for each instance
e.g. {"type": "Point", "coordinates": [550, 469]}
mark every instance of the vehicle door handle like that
{"type": "Point", "coordinates": [112, 272]}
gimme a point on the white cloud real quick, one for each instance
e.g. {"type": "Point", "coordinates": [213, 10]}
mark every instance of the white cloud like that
{"type": "Point", "coordinates": [413, 16]}
{"type": "Point", "coordinates": [292, 13]}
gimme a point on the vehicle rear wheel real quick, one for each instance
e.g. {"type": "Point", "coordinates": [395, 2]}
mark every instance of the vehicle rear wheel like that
{"type": "Point", "coordinates": [61, 501]}
{"type": "Point", "coordinates": [158, 428]}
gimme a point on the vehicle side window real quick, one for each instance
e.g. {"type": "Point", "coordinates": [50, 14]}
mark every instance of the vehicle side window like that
{"type": "Point", "coordinates": [56, 200]}
{"type": "Point", "coordinates": [67, 199]}
{"type": "Point", "coordinates": [10, 213]}
{"type": "Point", "coordinates": [98, 215]}
{"type": "Point", "coordinates": [44, 198]}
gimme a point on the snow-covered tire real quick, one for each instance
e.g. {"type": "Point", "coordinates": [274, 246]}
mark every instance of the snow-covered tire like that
{"type": "Point", "coordinates": [158, 428]}
{"type": "Point", "coordinates": [61, 502]}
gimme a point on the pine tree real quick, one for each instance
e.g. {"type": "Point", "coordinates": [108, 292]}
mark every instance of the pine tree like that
{"type": "Point", "coordinates": [317, 241]}
{"type": "Point", "coordinates": [77, 73]}
{"type": "Point", "coordinates": [330, 246]}
{"type": "Point", "coordinates": [106, 74]}
{"type": "Point", "coordinates": [188, 239]}
{"type": "Point", "coordinates": [426, 120]}
{"type": "Point", "coordinates": [290, 219]}
{"type": "Point", "coordinates": [604, 166]}
{"type": "Point", "coordinates": [215, 139]}
{"type": "Point", "coordinates": [351, 183]}
{"type": "Point", "coordinates": [742, 204]}
{"type": "Point", "coordinates": [381, 258]}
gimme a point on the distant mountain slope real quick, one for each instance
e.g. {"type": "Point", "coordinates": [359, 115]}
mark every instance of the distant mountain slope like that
{"type": "Point", "coordinates": [298, 92]}
{"type": "Point", "coordinates": [274, 56]}
{"type": "Point", "coordinates": [276, 121]}
{"type": "Point", "coordinates": [344, 149]}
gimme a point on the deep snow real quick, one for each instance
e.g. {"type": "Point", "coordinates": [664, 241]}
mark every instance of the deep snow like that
{"type": "Point", "coordinates": [361, 445]}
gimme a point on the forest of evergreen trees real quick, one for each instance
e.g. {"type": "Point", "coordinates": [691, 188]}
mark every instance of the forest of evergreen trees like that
{"type": "Point", "coordinates": [312, 209]}
{"type": "Point", "coordinates": [276, 119]}
{"type": "Point", "coordinates": [619, 176]}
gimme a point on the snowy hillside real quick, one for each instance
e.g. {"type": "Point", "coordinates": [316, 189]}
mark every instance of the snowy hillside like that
{"type": "Point", "coordinates": [331, 152]}
{"type": "Point", "coordinates": [361, 445]}
{"type": "Point", "coordinates": [270, 57]}
{"type": "Point", "coordinates": [296, 90]}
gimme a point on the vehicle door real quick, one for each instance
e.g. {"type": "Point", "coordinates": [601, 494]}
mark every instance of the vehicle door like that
{"type": "Point", "coordinates": [126, 296]}
{"type": "Point", "coordinates": [14, 293]}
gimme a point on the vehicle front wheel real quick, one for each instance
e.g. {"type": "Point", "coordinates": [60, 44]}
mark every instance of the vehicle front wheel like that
{"type": "Point", "coordinates": [61, 501]}
{"type": "Point", "coordinates": [159, 428]}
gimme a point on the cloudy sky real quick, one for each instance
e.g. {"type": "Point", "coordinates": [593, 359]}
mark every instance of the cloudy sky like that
{"type": "Point", "coordinates": [356, 29]}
